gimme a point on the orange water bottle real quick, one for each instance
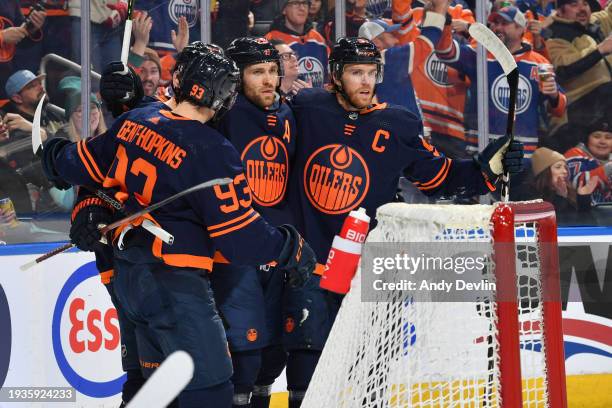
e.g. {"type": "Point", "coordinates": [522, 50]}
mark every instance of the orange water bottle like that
{"type": "Point", "coordinates": [345, 252]}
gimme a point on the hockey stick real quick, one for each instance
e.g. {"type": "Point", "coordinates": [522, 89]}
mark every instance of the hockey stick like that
{"type": "Point", "coordinates": [36, 134]}
{"type": "Point", "coordinates": [127, 35]}
{"type": "Point", "coordinates": [166, 383]}
{"type": "Point", "coordinates": [495, 46]}
{"type": "Point", "coordinates": [130, 218]}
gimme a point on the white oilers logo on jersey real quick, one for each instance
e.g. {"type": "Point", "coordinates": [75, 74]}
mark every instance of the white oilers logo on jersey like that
{"type": "Point", "coordinates": [500, 93]}
{"type": "Point", "coordinates": [311, 69]}
{"type": "Point", "coordinates": [184, 8]}
{"type": "Point", "coordinates": [436, 70]}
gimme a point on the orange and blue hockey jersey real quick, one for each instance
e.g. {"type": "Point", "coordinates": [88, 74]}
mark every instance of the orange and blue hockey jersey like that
{"type": "Point", "coordinates": [530, 102]}
{"type": "Point", "coordinates": [310, 47]}
{"type": "Point", "coordinates": [440, 90]}
{"type": "Point", "coordinates": [583, 167]}
{"type": "Point", "coordinates": [411, 18]}
{"type": "Point", "coordinates": [150, 154]}
{"type": "Point", "coordinates": [266, 141]}
{"type": "Point", "coordinates": [347, 160]}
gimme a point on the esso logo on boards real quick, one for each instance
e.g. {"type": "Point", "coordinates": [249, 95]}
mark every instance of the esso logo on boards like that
{"type": "Point", "coordinates": [86, 338]}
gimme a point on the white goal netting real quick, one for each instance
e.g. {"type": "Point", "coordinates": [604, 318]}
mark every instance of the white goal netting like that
{"type": "Point", "coordinates": [398, 352]}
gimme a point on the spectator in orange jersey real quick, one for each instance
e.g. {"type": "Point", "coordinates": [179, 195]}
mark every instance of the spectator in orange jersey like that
{"type": "Point", "coordinates": [15, 32]}
{"type": "Point", "coordinates": [294, 28]}
{"type": "Point", "coordinates": [440, 90]}
{"type": "Point", "coordinates": [410, 19]}
{"type": "Point", "coordinates": [536, 98]}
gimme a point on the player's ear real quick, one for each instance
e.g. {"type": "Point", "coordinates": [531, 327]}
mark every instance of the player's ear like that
{"type": "Point", "coordinates": [175, 81]}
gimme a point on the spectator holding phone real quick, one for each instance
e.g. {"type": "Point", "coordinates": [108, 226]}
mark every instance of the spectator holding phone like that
{"type": "Point", "coordinates": [16, 32]}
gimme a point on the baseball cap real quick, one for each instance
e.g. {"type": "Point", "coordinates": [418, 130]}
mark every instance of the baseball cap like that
{"type": "Point", "coordinates": [373, 28]}
{"type": "Point", "coordinates": [510, 14]}
{"type": "Point", "coordinates": [19, 80]}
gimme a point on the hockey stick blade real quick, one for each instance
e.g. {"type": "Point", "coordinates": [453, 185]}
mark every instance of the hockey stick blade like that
{"type": "Point", "coordinates": [494, 45]}
{"type": "Point", "coordinates": [166, 383]}
{"type": "Point", "coordinates": [36, 135]}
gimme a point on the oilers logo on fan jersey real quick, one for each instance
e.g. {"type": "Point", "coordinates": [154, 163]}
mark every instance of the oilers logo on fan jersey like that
{"type": "Point", "coordinates": [501, 94]}
{"type": "Point", "coordinates": [437, 71]}
{"type": "Point", "coordinates": [266, 165]}
{"type": "Point", "coordinates": [184, 8]}
{"type": "Point", "coordinates": [336, 179]}
{"type": "Point", "coordinates": [312, 69]}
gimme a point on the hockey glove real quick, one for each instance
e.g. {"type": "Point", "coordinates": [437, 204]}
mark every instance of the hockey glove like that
{"type": "Point", "coordinates": [51, 149]}
{"type": "Point", "coordinates": [88, 216]}
{"type": "Point", "coordinates": [499, 156]}
{"type": "Point", "coordinates": [120, 90]}
{"type": "Point", "coordinates": [296, 259]}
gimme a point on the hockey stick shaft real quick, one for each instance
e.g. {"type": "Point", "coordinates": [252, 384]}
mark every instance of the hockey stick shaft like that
{"type": "Point", "coordinates": [153, 207]}
{"type": "Point", "coordinates": [127, 33]}
{"type": "Point", "coordinates": [130, 218]}
{"type": "Point", "coordinates": [497, 48]}
{"type": "Point", "coordinates": [513, 78]}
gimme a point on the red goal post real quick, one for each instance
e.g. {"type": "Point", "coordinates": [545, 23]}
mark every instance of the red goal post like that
{"type": "Point", "coordinates": [504, 353]}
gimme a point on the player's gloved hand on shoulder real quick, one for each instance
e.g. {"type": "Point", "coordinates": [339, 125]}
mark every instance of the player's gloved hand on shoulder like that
{"type": "Point", "coordinates": [120, 88]}
{"type": "Point", "coordinates": [296, 259]}
{"type": "Point", "coordinates": [51, 150]}
{"type": "Point", "coordinates": [88, 217]}
{"type": "Point", "coordinates": [499, 156]}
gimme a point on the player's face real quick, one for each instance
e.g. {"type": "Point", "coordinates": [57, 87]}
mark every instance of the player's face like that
{"type": "Point", "coordinates": [600, 144]}
{"type": "Point", "coordinates": [578, 10]}
{"type": "Point", "coordinates": [358, 82]}
{"type": "Point", "coordinates": [259, 83]}
{"type": "Point", "coordinates": [296, 12]}
{"type": "Point", "coordinates": [150, 77]}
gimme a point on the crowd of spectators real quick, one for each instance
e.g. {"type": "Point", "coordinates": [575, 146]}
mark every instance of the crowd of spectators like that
{"type": "Point", "coordinates": [563, 49]}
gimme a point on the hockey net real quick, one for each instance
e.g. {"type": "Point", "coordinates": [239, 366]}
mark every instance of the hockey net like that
{"type": "Point", "coordinates": [487, 353]}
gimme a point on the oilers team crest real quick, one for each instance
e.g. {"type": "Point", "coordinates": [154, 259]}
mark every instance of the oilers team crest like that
{"type": "Point", "coordinates": [500, 94]}
{"type": "Point", "coordinates": [183, 8]}
{"type": "Point", "coordinates": [336, 179]}
{"type": "Point", "coordinates": [436, 70]}
{"type": "Point", "coordinates": [312, 69]}
{"type": "Point", "coordinates": [266, 164]}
